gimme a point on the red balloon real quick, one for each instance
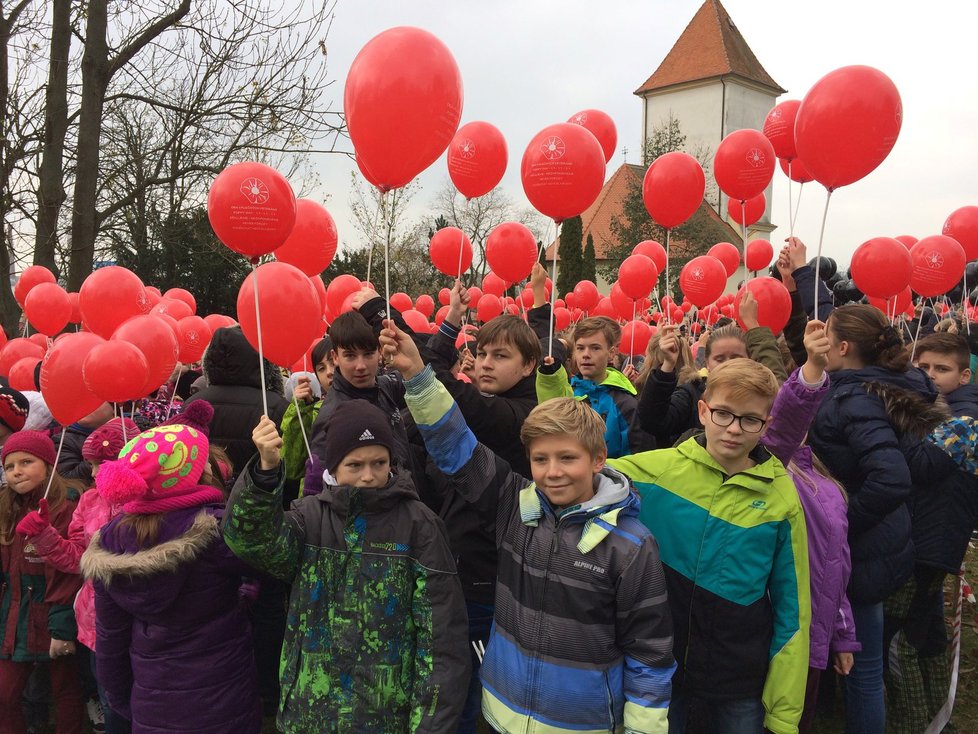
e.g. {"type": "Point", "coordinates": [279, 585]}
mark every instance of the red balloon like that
{"type": "Point", "coordinates": [338, 290]}
{"type": "Point", "coordinates": [16, 350]}
{"type": "Point", "coordinates": [893, 306]}
{"type": "Point", "coordinates": [881, 267]}
{"type": "Point", "coordinates": [570, 300]}
{"type": "Point", "coordinates": [110, 296]}
{"type": "Point", "coordinates": [173, 308]}
{"type": "Point", "coordinates": [605, 308]}
{"type": "Point", "coordinates": [637, 276]}
{"type": "Point", "coordinates": [563, 171]}
{"type": "Point", "coordinates": [907, 240]}
{"type": "Point", "coordinates": [62, 384]}
{"type": "Point", "coordinates": [652, 250]}
{"type": "Point", "coordinates": [493, 284]}
{"type": "Point", "coordinates": [475, 295]}
{"type": "Point", "coordinates": [673, 189]}
{"type": "Point", "coordinates": [559, 303]}
{"type": "Point", "coordinates": [962, 225]}
{"type": "Point", "coordinates": [444, 296]}
{"type": "Point", "coordinates": [426, 305]}
{"type": "Point", "coordinates": [702, 281]}
{"type": "Point", "coordinates": [938, 264]}
{"type": "Point", "coordinates": [450, 251]}
{"type": "Point", "coordinates": [744, 164]}
{"type": "Point", "coordinates": [40, 339]}
{"type": "Point", "coordinates": [403, 102]}
{"type": "Point", "coordinates": [76, 316]}
{"type": "Point", "coordinates": [760, 253]}
{"type": "Point", "coordinates": [218, 321]}
{"type": "Point", "coordinates": [773, 303]}
{"type": "Point", "coordinates": [47, 308]}
{"type": "Point", "coordinates": [371, 179]}
{"type": "Point", "coordinates": [312, 243]}
{"type": "Point", "coordinates": [320, 287]}
{"type": "Point", "coordinates": [251, 208]}
{"type": "Point", "coordinates": [193, 336]}
{"type": "Point", "coordinates": [754, 208]}
{"type": "Point", "coordinates": [728, 254]}
{"type": "Point", "coordinates": [416, 320]}
{"type": "Point", "coordinates": [489, 307]}
{"type": "Point", "coordinates": [526, 298]}
{"type": "Point", "coordinates": [32, 276]}
{"type": "Point", "coordinates": [562, 318]}
{"type": "Point", "coordinates": [625, 307]}
{"type": "Point", "coordinates": [795, 170]}
{"type": "Point", "coordinates": [511, 251]}
{"type": "Point", "coordinates": [22, 374]}
{"type": "Point", "coordinates": [779, 128]}
{"type": "Point", "coordinates": [847, 124]}
{"type": "Point", "coordinates": [181, 294]}
{"type": "Point", "coordinates": [635, 337]}
{"type": "Point", "coordinates": [440, 315]}
{"type": "Point", "coordinates": [477, 158]}
{"type": "Point", "coordinates": [116, 371]}
{"type": "Point", "coordinates": [401, 301]}
{"type": "Point", "coordinates": [586, 295]}
{"type": "Point", "coordinates": [158, 343]}
{"type": "Point", "coordinates": [601, 126]}
{"type": "Point", "coordinates": [290, 313]}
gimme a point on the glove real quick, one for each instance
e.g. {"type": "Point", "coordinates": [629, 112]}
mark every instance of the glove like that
{"type": "Point", "coordinates": [35, 522]}
{"type": "Point", "coordinates": [314, 477]}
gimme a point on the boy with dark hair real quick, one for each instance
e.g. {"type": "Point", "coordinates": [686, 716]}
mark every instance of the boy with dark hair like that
{"type": "Point", "coordinates": [946, 358]}
{"type": "Point", "coordinates": [582, 636]}
{"type": "Point", "coordinates": [733, 540]}
{"type": "Point", "coordinates": [606, 389]}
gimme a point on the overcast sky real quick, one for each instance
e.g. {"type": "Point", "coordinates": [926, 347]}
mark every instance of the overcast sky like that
{"type": "Point", "coordinates": [531, 63]}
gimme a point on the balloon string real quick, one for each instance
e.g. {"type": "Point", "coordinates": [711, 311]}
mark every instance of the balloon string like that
{"type": "Point", "coordinates": [631, 348]}
{"type": "Point", "coordinates": [743, 234]}
{"type": "Point", "coordinates": [965, 303]}
{"type": "Point", "coordinates": [553, 291]}
{"type": "Point", "coordinates": [387, 253]}
{"type": "Point", "coordinates": [801, 190]}
{"type": "Point", "coordinates": [302, 428]}
{"type": "Point", "coordinates": [173, 394]}
{"type": "Point", "coordinates": [818, 256]}
{"type": "Point", "coordinates": [920, 320]}
{"type": "Point", "coordinates": [57, 458]}
{"type": "Point", "coordinates": [122, 421]}
{"type": "Point", "coordinates": [261, 348]}
{"type": "Point", "coordinates": [791, 212]}
{"type": "Point", "coordinates": [373, 234]}
{"type": "Point", "coordinates": [668, 258]}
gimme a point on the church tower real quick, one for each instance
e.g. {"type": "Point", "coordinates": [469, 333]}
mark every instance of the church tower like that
{"type": "Point", "coordinates": [712, 83]}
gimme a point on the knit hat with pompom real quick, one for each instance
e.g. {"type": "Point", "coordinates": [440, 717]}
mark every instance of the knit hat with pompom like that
{"type": "Point", "coordinates": [106, 441]}
{"type": "Point", "coordinates": [160, 469]}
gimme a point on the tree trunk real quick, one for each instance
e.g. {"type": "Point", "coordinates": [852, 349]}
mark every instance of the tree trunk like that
{"type": "Point", "coordinates": [50, 188]}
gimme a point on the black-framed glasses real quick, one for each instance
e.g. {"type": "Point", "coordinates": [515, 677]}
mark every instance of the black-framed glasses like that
{"type": "Point", "coordinates": [748, 423]}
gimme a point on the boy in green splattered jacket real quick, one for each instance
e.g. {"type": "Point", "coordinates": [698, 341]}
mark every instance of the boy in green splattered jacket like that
{"type": "Point", "coordinates": [377, 638]}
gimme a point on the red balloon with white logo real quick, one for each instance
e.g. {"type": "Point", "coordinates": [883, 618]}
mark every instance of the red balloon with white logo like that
{"type": "Point", "coordinates": [251, 208]}
{"type": "Point", "coordinates": [477, 158]}
{"type": "Point", "coordinates": [962, 225]}
{"type": "Point", "coordinates": [702, 280]}
{"type": "Point", "coordinates": [601, 126]}
{"type": "Point", "coordinates": [938, 264]}
{"type": "Point", "coordinates": [779, 128]}
{"type": "Point", "coordinates": [743, 165]}
{"type": "Point", "coordinates": [562, 170]}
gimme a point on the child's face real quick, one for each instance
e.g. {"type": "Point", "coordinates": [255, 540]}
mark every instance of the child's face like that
{"type": "Point", "coordinates": [358, 366]}
{"type": "Point", "coordinates": [499, 366]}
{"type": "Point", "coordinates": [592, 353]}
{"type": "Point", "coordinates": [95, 466]}
{"type": "Point", "coordinates": [723, 350]}
{"type": "Point", "coordinates": [24, 472]}
{"type": "Point", "coordinates": [731, 445]}
{"type": "Point", "coordinates": [944, 371]}
{"type": "Point", "coordinates": [564, 469]}
{"type": "Point", "coordinates": [324, 372]}
{"type": "Point", "coordinates": [367, 467]}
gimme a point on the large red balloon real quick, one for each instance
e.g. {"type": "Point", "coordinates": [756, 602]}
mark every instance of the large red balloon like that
{"type": "Point", "coordinates": [511, 251]}
{"type": "Point", "coordinates": [477, 158]}
{"type": "Point", "coordinates": [754, 207]}
{"type": "Point", "coordinates": [193, 336]}
{"type": "Point", "coordinates": [795, 170]}
{"type": "Point", "coordinates": [489, 307]}
{"type": "Point", "coordinates": [773, 303]}
{"type": "Point", "coordinates": [562, 170]}
{"type": "Point", "coordinates": [110, 296]}
{"type": "Point", "coordinates": [493, 284]}
{"type": "Point", "coordinates": [625, 307]}
{"type": "Point", "coordinates": [116, 371]}
{"type": "Point", "coordinates": [320, 287]}
{"type": "Point", "coordinates": [290, 312]}
{"type": "Point", "coordinates": [62, 383]}
{"type": "Point", "coordinates": [779, 127]}
{"type": "Point", "coordinates": [653, 251]}
{"type": "Point", "coordinates": [416, 320]}
{"type": "Point", "coordinates": [312, 243]}
{"type": "Point", "coordinates": [22, 374]}
{"type": "Point", "coordinates": [605, 308]}
{"type": "Point", "coordinates": [744, 164]}
{"type": "Point", "coordinates": [586, 295]}
{"type": "Point", "coordinates": [759, 254]}
{"type": "Point", "coordinates": [158, 343]}
{"type": "Point", "coordinates": [47, 308]}
{"type": "Point", "coordinates": [962, 225]}
{"type": "Point", "coordinates": [601, 126]}
{"type": "Point", "coordinates": [403, 102]}
{"type": "Point", "coordinates": [338, 290]}
{"type": "Point", "coordinates": [251, 208]}
{"type": "Point", "coordinates": [182, 294]}
{"type": "Point", "coordinates": [637, 275]}
{"type": "Point", "coordinates": [16, 350]}
{"type": "Point", "coordinates": [673, 189]}
{"type": "Point", "coordinates": [938, 264]}
{"type": "Point", "coordinates": [702, 280]}
{"type": "Point", "coordinates": [32, 276]}
{"type": "Point", "coordinates": [401, 301]}
{"type": "Point", "coordinates": [635, 337]}
{"type": "Point", "coordinates": [450, 251]}
{"type": "Point", "coordinates": [881, 267]}
{"type": "Point", "coordinates": [847, 124]}
{"type": "Point", "coordinates": [728, 254]}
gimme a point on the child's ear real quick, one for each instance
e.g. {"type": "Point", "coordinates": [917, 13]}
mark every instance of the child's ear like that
{"type": "Point", "coordinates": [965, 377]}
{"type": "Point", "coordinates": [704, 412]}
{"type": "Point", "coordinates": [598, 460]}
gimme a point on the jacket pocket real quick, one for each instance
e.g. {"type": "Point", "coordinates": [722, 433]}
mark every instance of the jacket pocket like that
{"type": "Point", "coordinates": [612, 720]}
{"type": "Point", "coordinates": [38, 639]}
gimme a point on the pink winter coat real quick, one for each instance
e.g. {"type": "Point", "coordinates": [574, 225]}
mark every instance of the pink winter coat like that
{"type": "Point", "coordinates": [65, 554]}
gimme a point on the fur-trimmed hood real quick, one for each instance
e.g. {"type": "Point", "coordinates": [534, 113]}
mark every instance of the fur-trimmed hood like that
{"type": "Point", "coordinates": [231, 360]}
{"type": "Point", "coordinates": [910, 399]}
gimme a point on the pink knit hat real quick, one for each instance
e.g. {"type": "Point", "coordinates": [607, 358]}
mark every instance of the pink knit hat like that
{"type": "Point", "coordinates": [159, 470]}
{"type": "Point", "coordinates": [106, 441]}
{"type": "Point", "coordinates": [35, 443]}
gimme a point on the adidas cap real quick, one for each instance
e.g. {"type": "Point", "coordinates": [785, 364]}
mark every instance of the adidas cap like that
{"type": "Point", "coordinates": [353, 425]}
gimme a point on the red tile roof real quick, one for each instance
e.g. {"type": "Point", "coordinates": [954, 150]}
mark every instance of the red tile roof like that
{"type": "Point", "coordinates": [711, 46]}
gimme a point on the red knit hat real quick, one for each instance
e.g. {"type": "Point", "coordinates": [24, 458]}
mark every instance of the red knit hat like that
{"type": "Point", "coordinates": [106, 441]}
{"type": "Point", "coordinates": [35, 443]}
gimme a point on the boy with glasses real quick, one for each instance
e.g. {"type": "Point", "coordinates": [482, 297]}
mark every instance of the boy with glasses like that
{"type": "Point", "coordinates": [734, 547]}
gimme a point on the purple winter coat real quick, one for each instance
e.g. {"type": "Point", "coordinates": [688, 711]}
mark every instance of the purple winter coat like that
{"type": "Point", "coordinates": [173, 641]}
{"type": "Point", "coordinates": [832, 628]}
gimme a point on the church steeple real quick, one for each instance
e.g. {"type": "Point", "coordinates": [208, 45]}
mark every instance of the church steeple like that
{"type": "Point", "coordinates": [710, 47]}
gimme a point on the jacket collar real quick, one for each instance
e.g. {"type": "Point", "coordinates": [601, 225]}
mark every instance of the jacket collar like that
{"type": "Point", "coordinates": [341, 385]}
{"type": "Point", "coordinates": [613, 378]}
{"type": "Point", "coordinates": [346, 500]}
{"type": "Point", "coordinates": [765, 470]}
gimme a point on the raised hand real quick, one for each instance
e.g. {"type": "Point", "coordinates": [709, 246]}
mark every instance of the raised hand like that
{"type": "Point", "coordinates": [748, 310]}
{"type": "Point", "coordinates": [784, 267]}
{"type": "Point", "coordinates": [669, 346]}
{"type": "Point", "coordinates": [268, 442]}
{"type": "Point", "coordinates": [35, 522]}
{"type": "Point", "coordinates": [797, 253]}
{"type": "Point", "coordinates": [458, 303]}
{"type": "Point", "coordinates": [400, 351]}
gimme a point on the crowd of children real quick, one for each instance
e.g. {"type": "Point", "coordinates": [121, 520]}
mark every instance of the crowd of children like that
{"type": "Point", "coordinates": [417, 537]}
